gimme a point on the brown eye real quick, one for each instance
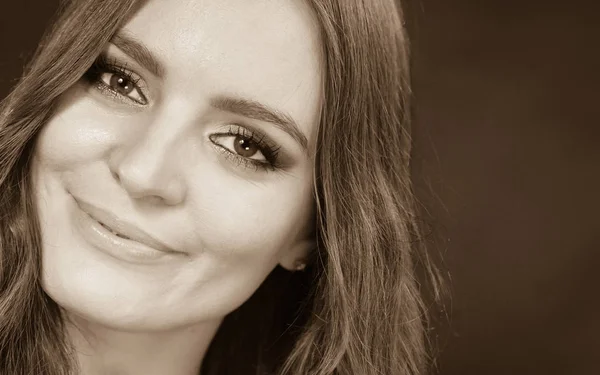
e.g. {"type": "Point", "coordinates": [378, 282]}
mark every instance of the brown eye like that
{"type": "Point", "coordinates": [245, 147]}
{"type": "Point", "coordinates": [121, 85]}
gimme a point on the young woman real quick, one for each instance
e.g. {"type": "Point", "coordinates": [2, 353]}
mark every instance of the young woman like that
{"type": "Point", "coordinates": [212, 187]}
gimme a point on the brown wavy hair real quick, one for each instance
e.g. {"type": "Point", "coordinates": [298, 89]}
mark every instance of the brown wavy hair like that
{"type": "Point", "coordinates": [358, 308]}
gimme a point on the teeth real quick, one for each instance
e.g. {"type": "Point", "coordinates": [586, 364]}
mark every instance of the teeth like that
{"type": "Point", "coordinates": [113, 232]}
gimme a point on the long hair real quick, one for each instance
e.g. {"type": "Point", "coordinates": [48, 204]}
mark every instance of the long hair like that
{"type": "Point", "coordinates": [358, 309]}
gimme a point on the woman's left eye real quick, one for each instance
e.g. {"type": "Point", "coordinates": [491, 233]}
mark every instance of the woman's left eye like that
{"type": "Point", "coordinates": [123, 85]}
{"type": "Point", "coordinates": [247, 148]}
{"type": "Point", "coordinates": [241, 146]}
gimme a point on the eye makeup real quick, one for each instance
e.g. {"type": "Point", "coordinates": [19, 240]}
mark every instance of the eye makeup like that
{"type": "Point", "coordinates": [251, 143]}
{"type": "Point", "coordinates": [116, 80]}
{"type": "Point", "coordinates": [243, 146]}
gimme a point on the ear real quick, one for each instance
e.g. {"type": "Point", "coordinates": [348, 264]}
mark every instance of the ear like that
{"type": "Point", "coordinates": [296, 258]}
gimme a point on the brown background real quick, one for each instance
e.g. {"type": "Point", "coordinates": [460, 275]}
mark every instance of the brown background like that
{"type": "Point", "coordinates": [507, 164]}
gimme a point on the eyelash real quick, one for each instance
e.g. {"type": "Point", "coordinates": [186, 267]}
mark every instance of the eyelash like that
{"type": "Point", "coordinates": [103, 65]}
{"type": "Point", "coordinates": [269, 150]}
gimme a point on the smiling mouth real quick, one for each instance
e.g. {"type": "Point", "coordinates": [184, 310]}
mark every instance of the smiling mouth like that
{"type": "Point", "coordinates": [113, 232]}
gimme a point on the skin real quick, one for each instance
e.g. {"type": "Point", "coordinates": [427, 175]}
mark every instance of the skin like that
{"type": "Point", "coordinates": [159, 166]}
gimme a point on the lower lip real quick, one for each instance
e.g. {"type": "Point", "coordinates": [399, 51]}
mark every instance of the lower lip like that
{"type": "Point", "coordinates": [120, 248]}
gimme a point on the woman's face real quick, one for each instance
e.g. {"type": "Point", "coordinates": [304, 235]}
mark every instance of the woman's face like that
{"type": "Point", "coordinates": [177, 174]}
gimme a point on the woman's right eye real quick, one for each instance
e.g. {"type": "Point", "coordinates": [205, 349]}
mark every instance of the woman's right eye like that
{"type": "Point", "coordinates": [117, 81]}
{"type": "Point", "coordinates": [122, 85]}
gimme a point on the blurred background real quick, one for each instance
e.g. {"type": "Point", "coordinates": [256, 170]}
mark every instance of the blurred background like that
{"type": "Point", "coordinates": [507, 166]}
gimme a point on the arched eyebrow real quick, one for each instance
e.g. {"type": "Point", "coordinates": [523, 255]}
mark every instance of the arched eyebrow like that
{"type": "Point", "coordinates": [260, 112]}
{"type": "Point", "coordinates": [241, 106]}
{"type": "Point", "coordinates": [139, 52]}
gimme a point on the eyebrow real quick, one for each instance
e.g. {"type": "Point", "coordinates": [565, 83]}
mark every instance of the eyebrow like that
{"type": "Point", "coordinates": [257, 111]}
{"type": "Point", "coordinates": [140, 53]}
{"type": "Point", "coordinates": [241, 106]}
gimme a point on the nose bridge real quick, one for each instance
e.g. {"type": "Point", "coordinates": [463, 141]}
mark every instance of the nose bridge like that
{"type": "Point", "coordinates": [147, 154]}
{"type": "Point", "coordinates": [147, 165]}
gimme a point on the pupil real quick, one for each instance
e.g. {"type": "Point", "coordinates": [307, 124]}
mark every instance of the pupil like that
{"type": "Point", "coordinates": [122, 84]}
{"type": "Point", "coordinates": [245, 147]}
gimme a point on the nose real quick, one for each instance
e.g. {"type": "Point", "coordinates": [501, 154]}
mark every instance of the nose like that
{"type": "Point", "coordinates": [148, 170]}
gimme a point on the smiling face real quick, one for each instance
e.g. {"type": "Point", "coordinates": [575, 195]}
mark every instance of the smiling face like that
{"type": "Point", "coordinates": [177, 174]}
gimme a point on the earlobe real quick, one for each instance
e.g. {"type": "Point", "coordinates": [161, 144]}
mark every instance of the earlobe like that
{"type": "Point", "coordinates": [296, 259]}
{"type": "Point", "coordinates": [299, 265]}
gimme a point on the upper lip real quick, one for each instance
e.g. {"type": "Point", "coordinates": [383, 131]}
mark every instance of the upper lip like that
{"type": "Point", "coordinates": [123, 227]}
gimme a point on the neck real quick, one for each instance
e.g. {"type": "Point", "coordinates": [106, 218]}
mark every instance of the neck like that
{"type": "Point", "coordinates": [101, 350]}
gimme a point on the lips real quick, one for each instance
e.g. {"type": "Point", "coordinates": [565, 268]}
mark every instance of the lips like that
{"type": "Point", "coordinates": [113, 231]}
{"type": "Point", "coordinates": [122, 228]}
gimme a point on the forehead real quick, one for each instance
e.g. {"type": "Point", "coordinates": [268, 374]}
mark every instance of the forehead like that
{"type": "Point", "coordinates": [265, 50]}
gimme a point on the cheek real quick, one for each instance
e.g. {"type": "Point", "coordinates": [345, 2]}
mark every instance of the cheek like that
{"type": "Point", "coordinates": [79, 132]}
{"type": "Point", "coordinates": [243, 238]}
{"type": "Point", "coordinates": [249, 219]}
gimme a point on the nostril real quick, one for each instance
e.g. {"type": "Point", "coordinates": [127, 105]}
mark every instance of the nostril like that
{"type": "Point", "coordinates": [151, 182]}
{"type": "Point", "coordinates": [116, 176]}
